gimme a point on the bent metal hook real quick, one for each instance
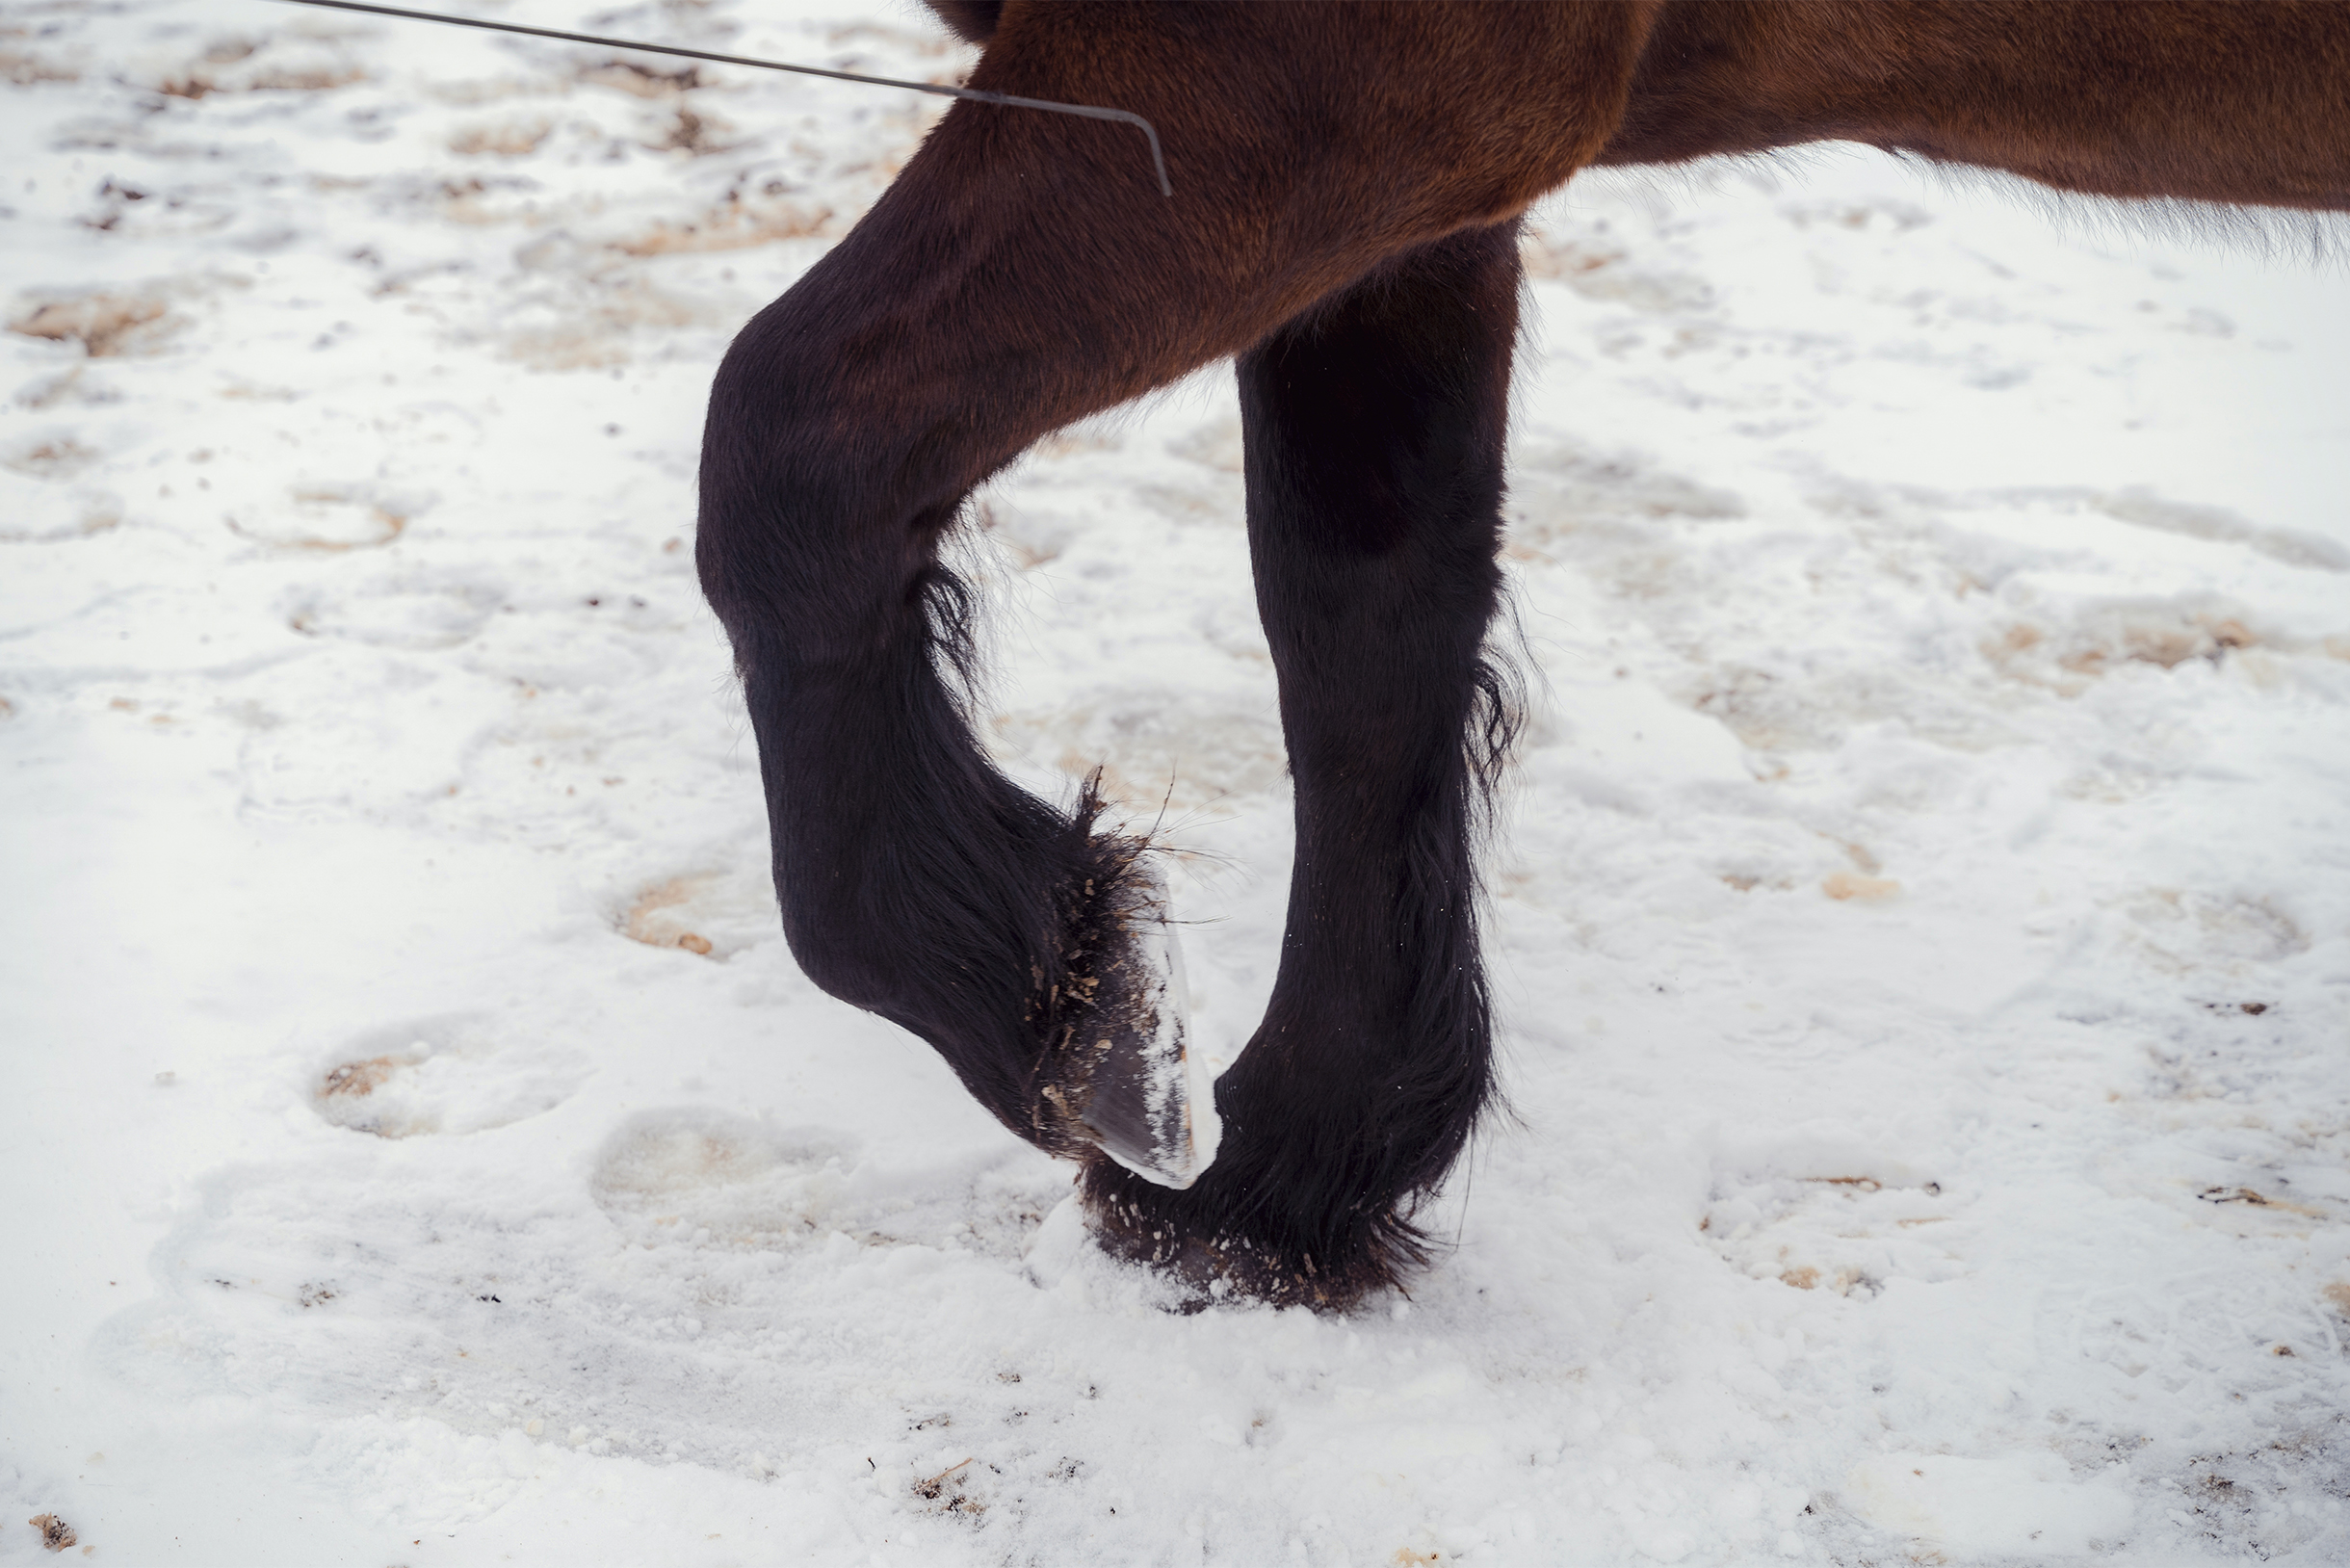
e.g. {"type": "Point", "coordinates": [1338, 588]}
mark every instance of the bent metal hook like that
{"type": "Point", "coordinates": [1158, 161]}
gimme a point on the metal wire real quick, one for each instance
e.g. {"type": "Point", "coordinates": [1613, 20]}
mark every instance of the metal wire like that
{"type": "Point", "coordinates": [1159, 163]}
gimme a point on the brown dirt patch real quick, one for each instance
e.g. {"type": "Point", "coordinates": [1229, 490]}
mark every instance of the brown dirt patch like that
{"type": "Point", "coordinates": [199, 83]}
{"type": "Point", "coordinates": [2065, 660]}
{"type": "Point", "coordinates": [946, 1492]}
{"type": "Point", "coordinates": [511, 139]}
{"type": "Point", "coordinates": [104, 325]}
{"type": "Point", "coordinates": [356, 1078]}
{"type": "Point", "coordinates": [643, 81]}
{"type": "Point", "coordinates": [2258, 1200]}
{"type": "Point", "coordinates": [649, 921]}
{"type": "Point", "coordinates": [52, 459]}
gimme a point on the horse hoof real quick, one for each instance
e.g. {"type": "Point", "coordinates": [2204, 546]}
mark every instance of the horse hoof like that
{"type": "Point", "coordinates": [1148, 1102]}
{"type": "Point", "coordinates": [1201, 1260]}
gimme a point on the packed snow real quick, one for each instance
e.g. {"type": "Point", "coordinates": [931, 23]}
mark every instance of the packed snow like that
{"type": "Point", "coordinates": [1923, 921]}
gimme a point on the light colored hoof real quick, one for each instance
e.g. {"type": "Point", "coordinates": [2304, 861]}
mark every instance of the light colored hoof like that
{"type": "Point", "coordinates": [1151, 1102]}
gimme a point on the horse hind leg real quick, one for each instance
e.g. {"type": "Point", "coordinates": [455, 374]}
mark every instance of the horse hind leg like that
{"type": "Point", "coordinates": [1374, 429]}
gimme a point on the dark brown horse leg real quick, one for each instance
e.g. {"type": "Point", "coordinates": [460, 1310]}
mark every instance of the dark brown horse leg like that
{"type": "Point", "coordinates": [1375, 426]}
{"type": "Point", "coordinates": [1025, 272]}
{"type": "Point", "coordinates": [848, 423]}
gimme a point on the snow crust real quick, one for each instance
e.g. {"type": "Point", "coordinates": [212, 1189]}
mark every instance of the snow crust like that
{"type": "Point", "coordinates": [1922, 930]}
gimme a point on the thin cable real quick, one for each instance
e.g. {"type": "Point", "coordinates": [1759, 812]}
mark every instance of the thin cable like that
{"type": "Point", "coordinates": [1158, 161]}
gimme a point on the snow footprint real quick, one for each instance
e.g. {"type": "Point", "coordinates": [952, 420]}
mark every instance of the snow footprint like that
{"type": "Point", "coordinates": [452, 1075]}
{"type": "Point", "coordinates": [716, 914]}
{"type": "Point", "coordinates": [411, 612]}
{"type": "Point", "coordinates": [1816, 1218]}
{"type": "Point", "coordinates": [707, 1178]}
{"type": "Point", "coordinates": [331, 517]}
{"type": "Point", "coordinates": [2184, 930]}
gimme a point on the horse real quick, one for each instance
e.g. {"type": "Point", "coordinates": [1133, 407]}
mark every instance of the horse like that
{"type": "Point", "coordinates": [1348, 181]}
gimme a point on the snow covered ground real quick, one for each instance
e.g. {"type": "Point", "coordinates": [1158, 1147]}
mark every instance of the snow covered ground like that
{"type": "Point", "coordinates": [1924, 931]}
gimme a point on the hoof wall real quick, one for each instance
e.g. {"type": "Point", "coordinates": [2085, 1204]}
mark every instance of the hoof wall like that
{"type": "Point", "coordinates": [1149, 1102]}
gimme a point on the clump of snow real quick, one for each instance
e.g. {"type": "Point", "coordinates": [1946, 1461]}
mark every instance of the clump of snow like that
{"type": "Point", "coordinates": [1922, 933]}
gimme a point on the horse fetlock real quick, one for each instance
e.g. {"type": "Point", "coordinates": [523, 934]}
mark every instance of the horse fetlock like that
{"type": "Point", "coordinates": [1238, 1236]}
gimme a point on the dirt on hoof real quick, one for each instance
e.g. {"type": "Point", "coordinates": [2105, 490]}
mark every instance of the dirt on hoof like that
{"type": "Point", "coordinates": [1113, 1072]}
{"type": "Point", "coordinates": [55, 1534]}
{"type": "Point", "coordinates": [1068, 1005]}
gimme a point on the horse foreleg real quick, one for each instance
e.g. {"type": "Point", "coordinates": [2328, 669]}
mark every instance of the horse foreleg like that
{"type": "Point", "coordinates": [1017, 275]}
{"type": "Point", "coordinates": [847, 426]}
{"type": "Point", "coordinates": [1025, 272]}
{"type": "Point", "coordinates": [1375, 426]}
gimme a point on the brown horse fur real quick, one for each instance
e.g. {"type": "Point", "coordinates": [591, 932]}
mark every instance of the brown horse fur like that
{"type": "Point", "coordinates": [1348, 179]}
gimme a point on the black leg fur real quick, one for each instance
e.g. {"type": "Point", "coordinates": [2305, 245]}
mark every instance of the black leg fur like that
{"type": "Point", "coordinates": [914, 880]}
{"type": "Point", "coordinates": [1375, 429]}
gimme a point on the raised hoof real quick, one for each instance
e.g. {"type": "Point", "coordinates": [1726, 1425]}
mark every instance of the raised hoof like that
{"type": "Point", "coordinates": [1136, 1090]}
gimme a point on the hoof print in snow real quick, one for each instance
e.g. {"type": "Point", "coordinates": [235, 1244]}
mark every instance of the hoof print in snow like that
{"type": "Point", "coordinates": [1844, 1234]}
{"type": "Point", "coordinates": [325, 517]}
{"type": "Point", "coordinates": [412, 614]}
{"type": "Point", "coordinates": [2180, 930]}
{"type": "Point", "coordinates": [55, 1534]}
{"type": "Point", "coordinates": [710, 914]}
{"type": "Point", "coordinates": [60, 458]}
{"type": "Point", "coordinates": [2098, 640]}
{"type": "Point", "coordinates": [707, 1179]}
{"type": "Point", "coordinates": [1157, 748]}
{"type": "Point", "coordinates": [448, 1075]}
{"type": "Point", "coordinates": [346, 1096]}
{"type": "Point", "coordinates": [1843, 1282]}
